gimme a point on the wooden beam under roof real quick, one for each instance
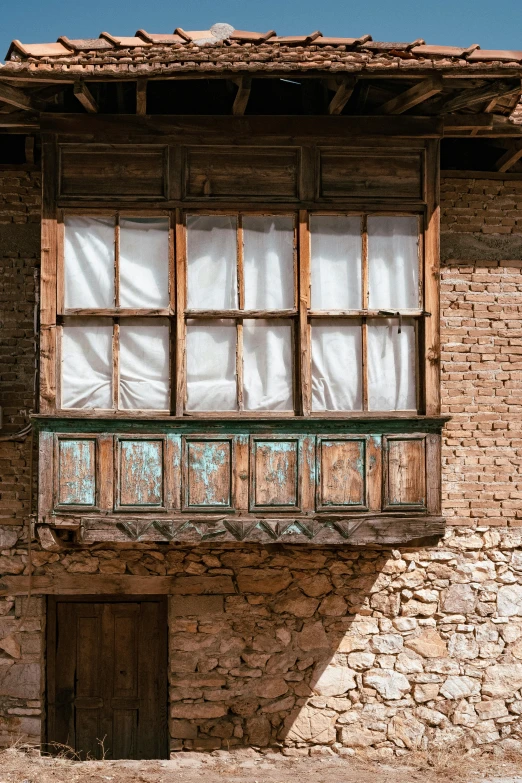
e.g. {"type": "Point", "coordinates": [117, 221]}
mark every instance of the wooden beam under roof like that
{"type": "Point", "coordinates": [19, 121]}
{"type": "Point", "coordinates": [342, 95]}
{"type": "Point", "coordinates": [494, 89]}
{"type": "Point", "coordinates": [409, 98]}
{"type": "Point", "coordinates": [85, 97]}
{"type": "Point", "coordinates": [510, 157]}
{"type": "Point", "coordinates": [18, 98]}
{"type": "Point", "coordinates": [244, 86]}
{"type": "Point", "coordinates": [141, 96]}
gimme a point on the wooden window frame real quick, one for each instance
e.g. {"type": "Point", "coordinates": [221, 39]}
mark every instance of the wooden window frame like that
{"type": "Point", "coordinates": [302, 316]}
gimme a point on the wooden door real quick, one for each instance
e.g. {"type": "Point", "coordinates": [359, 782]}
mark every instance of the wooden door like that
{"type": "Point", "coordinates": [107, 677]}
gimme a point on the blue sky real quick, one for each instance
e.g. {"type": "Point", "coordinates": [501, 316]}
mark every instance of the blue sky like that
{"type": "Point", "coordinates": [458, 22]}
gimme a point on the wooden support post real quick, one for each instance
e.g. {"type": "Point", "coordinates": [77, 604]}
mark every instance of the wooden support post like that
{"type": "Point", "coordinates": [510, 157]}
{"type": "Point", "coordinates": [244, 85]}
{"type": "Point", "coordinates": [409, 98]}
{"type": "Point", "coordinates": [18, 98]}
{"type": "Point", "coordinates": [342, 95]}
{"type": "Point", "coordinates": [85, 97]}
{"type": "Point", "coordinates": [141, 97]}
{"type": "Point", "coordinates": [29, 149]}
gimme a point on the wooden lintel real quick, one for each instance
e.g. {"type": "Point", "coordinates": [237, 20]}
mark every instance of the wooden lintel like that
{"type": "Point", "coordinates": [87, 584]}
{"type": "Point", "coordinates": [85, 97]}
{"type": "Point", "coordinates": [245, 129]}
{"type": "Point", "coordinates": [409, 98]}
{"type": "Point", "coordinates": [342, 95]}
{"type": "Point", "coordinates": [20, 121]}
{"type": "Point", "coordinates": [244, 86]}
{"type": "Point", "coordinates": [141, 96]}
{"type": "Point", "coordinates": [464, 98]}
{"type": "Point", "coordinates": [16, 97]}
{"type": "Point", "coordinates": [510, 157]}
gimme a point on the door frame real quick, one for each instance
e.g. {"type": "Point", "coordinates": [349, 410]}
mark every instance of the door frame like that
{"type": "Point", "coordinates": [50, 641]}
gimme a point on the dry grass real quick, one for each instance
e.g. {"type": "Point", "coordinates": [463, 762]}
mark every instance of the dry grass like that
{"type": "Point", "coordinates": [26, 764]}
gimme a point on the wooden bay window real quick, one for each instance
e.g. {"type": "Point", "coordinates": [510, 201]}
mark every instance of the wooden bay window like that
{"type": "Point", "coordinates": [239, 299]}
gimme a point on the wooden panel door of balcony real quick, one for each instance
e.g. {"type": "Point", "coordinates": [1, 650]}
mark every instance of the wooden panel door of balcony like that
{"type": "Point", "coordinates": [107, 677]}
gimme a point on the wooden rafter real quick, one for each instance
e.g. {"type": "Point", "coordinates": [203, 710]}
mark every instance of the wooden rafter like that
{"type": "Point", "coordinates": [342, 95]}
{"type": "Point", "coordinates": [479, 95]}
{"type": "Point", "coordinates": [141, 96]}
{"type": "Point", "coordinates": [413, 96]}
{"type": "Point", "coordinates": [18, 98]}
{"type": "Point", "coordinates": [244, 85]}
{"type": "Point", "coordinates": [510, 157]}
{"type": "Point", "coordinates": [85, 97]}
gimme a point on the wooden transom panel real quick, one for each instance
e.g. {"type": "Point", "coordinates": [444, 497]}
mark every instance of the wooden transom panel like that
{"type": "Point", "coordinates": [274, 473]}
{"type": "Point", "coordinates": [244, 171]}
{"type": "Point", "coordinates": [141, 473]}
{"type": "Point", "coordinates": [404, 472]}
{"type": "Point", "coordinates": [208, 473]}
{"type": "Point", "coordinates": [76, 469]}
{"type": "Point", "coordinates": [341, 471]}
{"type": "Point", "coordinates": [367, 172]}
{"type": "Point", "coordinates": [104, 171]}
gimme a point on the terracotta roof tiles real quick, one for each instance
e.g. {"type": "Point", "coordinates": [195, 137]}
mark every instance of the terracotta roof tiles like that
{"type": "Point", "coordinates": [222, 49]}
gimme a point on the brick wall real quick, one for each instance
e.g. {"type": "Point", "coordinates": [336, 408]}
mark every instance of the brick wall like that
{"type": "Point", "coordinates": [481, 307]}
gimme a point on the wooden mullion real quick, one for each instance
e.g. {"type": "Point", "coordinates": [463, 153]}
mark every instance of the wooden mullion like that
{"type": "Point", "coordinates": [48, 287]}
{"type": "Point", "coordinates": [365, 298]}
{"type": "Point", "coordinates": [431, 353]}
{"type": "Point", "coordinates": [116, 364]}
{"type": "Point", "coordinates": [181, 292]}
{"type": "Point", "coordinates": [239, 364]}
{"type": "Point", "coordinates": [304, 361]}
{"type": "Point", "coordinates": [60, 263]}
{"type": "Point", "coordinates": [117, 261]}
{"type": "Point", "coordinates": [241, 304]}
{"type": "Point", "coordinates": [172, 317]}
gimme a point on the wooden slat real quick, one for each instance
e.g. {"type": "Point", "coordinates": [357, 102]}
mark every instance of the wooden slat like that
{"type": "Point", "coordinates": [244, 85]}
{"type": "Point", "coordinates": [305, 356]}
{"type": "Point", "coordinates": [413, 96]}
{"type": "Point", "coordinates": [181, 267]}
{"type": "Point", "coordinates": [431, 346]}
{"type": "Point", "coordinates": [365, 298]}
{"type": "Point", "coordinates": [512, 155]}
{"type": "Point", "coordinates": [342, 95]}
{"type": "Point", "coordinates": [16, 97]}
{"type": "Point", "coordinates": [86, 98]}
{"type": "Point", "coordinates": [141, 97]}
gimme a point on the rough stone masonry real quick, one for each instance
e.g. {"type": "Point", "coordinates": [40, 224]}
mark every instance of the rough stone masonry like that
{"type": "Point", "coordinates": [333, 649]}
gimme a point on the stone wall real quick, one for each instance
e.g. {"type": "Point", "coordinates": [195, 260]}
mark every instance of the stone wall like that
{"type": "Point", "coordinates": [328, 649]}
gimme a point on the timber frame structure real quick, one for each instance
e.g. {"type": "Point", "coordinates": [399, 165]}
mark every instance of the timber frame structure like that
{"type": "Point", "coordinates": [317, 125]}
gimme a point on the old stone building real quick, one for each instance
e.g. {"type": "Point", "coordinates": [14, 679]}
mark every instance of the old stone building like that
{"type": "Point", "coordinates": [213, 536]}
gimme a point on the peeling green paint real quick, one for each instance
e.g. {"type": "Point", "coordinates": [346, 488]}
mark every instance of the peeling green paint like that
{"type": "Point", "coordinates": [77, 476]}
{"type": "Point", "coordinates": [209, 473]}
{"type": "Point", "coordinates": [141, 480]}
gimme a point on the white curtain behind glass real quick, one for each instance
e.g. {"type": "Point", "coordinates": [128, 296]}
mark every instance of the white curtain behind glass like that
{"type": "Point", "coordinates": [336, 249]}
{"type": "Point", "coordinates": [391, 365]}
{"type": "Point", "coordinates": [89, 262]}
{"type": "Point", "coordinates": [268, 252]}
{"type": "Point", "coordinates": [211, 365]}
{"type": "Point", "coordinates": [336, 365]}
{"type": "Point", "coordinates": [87, 363]}
{"type": "Point", "coordinates": [144, 364]}
{"type": "Point", "coordinates": [144, 262]}
{"type": "Point", "coordinates": [211, 262]}
{"type": "Point", "coordinates": [393, 261]}
{"type": "Point", "coordinates": [267, 365]}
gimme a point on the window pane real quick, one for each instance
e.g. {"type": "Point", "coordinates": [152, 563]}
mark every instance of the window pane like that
{"type": "Point", "coordinates": [211, 365]}
{"type": "Point", "coordinates": [393, 260]}
{"type": "Point", "coordinates": [268, 251]}
{"type": "Point", "coordinates": [89, 262]}
{"type": "Point", "coordinates": [267, 365]}
{"type": "Point", "coordinates": [391, 365]}
{"type": "Point", "coordinates": [144, 364]}
{"type": "Point", "coordinates": [144, 262]}
{"type": "Point", "coordinates": [336, 262]}
{"type": "Point", "coordinates": [211, 262]}
{"type": "Point", "coordinates": [337, 366]}
{"type": "Point", "coordinates": [87, 363]}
